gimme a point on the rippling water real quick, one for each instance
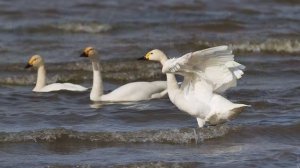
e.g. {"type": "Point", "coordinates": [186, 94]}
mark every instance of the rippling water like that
{"type": "Point", "coordinates": [65, 129]}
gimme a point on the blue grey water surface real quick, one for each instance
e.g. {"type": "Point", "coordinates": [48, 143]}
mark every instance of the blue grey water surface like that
{"type": "Point", "coordinates": [66, 129]}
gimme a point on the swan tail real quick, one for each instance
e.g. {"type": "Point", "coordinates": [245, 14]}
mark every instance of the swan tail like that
{"type": "Point", "coordinates": [235, 111]}
{"type": "Point", "coordinates": [225, 115]}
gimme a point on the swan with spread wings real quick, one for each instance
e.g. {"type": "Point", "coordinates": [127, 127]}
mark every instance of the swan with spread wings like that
{"type": "Point", "coordinates": [207, 73]}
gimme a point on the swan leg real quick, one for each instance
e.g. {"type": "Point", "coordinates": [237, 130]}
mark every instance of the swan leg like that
{"type": "Point", "coordinates": [201, 122]}
{"type": "Point", "coordinates": [159, 95]}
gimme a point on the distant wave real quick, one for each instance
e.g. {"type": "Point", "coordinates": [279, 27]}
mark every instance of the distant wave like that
{"type": "Point", "coordinates": [118, 71]}
{"type": "Point", "coordinates": [55, 28]}
{"type": "Point", "coordinates": [161, 164]}
{"type": "Point", "coordinates": [174, 136]}
{"type": "Point", "coordinates": [290, 2]}
{"type": "Point", "coordinates": [141, 164]}
{"type": "Point", "coordinates": [273, 45]}
{"type": "Point", "coordinates": [84, 27]}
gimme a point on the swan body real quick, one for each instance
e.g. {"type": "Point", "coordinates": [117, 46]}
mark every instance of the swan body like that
{"type": "Point", "coordinates": [135, 91]}
{"type": "Point", "coordinates": [38, 62]}
{"type": "Point", "coordinates": [206, 74]}
{"type": "Point", "coordinates": [61, 86]}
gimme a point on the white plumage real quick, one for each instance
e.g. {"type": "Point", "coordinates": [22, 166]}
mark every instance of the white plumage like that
{"type": "Point", "coordinates": [38, 62]}
{"type": "Point", "coordinates": [216, 65]}
{"type": "Point", "coordinates": [61, 86]}
{"type": "Point", "coordinates": [135, 91]}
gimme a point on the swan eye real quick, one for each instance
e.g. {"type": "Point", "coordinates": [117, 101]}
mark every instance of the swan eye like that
{"type": "Point", "coordinates": [34, 60]}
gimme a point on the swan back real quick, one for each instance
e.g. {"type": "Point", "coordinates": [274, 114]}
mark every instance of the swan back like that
{"type": "Point", "coordinates": [62, 86]}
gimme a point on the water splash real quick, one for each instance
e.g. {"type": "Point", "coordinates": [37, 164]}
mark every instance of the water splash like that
{"type": "Point", "coordinates": [272, 45]}
{"type": "Point", "coordinates": [174, 136]}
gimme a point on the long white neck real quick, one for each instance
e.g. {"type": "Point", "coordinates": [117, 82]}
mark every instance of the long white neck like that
{"type": "Point", "coordinates": [41, 78]}
{"type": "Point", "coordinates": [172, 85]}
{"type": "Point", "coordinates": [97, 88]}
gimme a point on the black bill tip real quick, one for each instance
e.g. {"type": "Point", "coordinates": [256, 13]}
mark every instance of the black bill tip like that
{"type": "Point", "coordinates": [27, 66]}
{"type": "Point", "coordinates": [142, 58]}
{"type": "Point", "coordinates": [83, 55]}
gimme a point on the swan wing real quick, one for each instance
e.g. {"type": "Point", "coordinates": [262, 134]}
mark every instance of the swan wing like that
{"type": "Point", "coordinates": [63, 86]}
{"type": "Point", "coordinates": [216, 65]}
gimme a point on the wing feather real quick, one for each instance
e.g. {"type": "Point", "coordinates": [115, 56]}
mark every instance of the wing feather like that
{"type": "Point", "coordinates": [216, 65]}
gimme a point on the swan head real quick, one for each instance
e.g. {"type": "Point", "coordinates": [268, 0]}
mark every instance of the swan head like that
{"type": "Point", "coordinates": [154, 55]}
{"type": "Point", "coordinates": [35, 61]}
{"type": "Point", "coordinates": [89, 52]}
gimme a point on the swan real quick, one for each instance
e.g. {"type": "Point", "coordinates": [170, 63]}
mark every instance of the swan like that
{"type": "Point", "coordinates": [207, 73]}
{"type": "Point", "coordinates": [135, 91]}
{"type": "Point", "coordinates": [38, 62]}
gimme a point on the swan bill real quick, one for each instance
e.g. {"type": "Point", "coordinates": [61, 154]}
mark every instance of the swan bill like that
{"type": "Point", "coordinates": [28, 66]}
{"type": "Point", "coordinates": [83, 54]}
{"type": "Point", "coordinates": [142, 59]}
{"type": "Point", "coordinates": [88, 52]}
{"type": "Point", "coordinates": [146, 57]}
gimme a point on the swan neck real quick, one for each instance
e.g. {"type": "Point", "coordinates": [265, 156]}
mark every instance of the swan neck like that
{"type": "Point", "coordinates": [41, 78]}
{"type": "Point", "coordinates": [163, 59]}
{"type": "Point", "coordinates": [97, 88]}
{"type": "Point", "coordinates": [172, 86]}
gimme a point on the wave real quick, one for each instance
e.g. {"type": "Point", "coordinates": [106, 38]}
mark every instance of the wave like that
{"type": "Point", "coordinates": [279, 132]}
{"type": "Point", "coordinates": [161, 164]}
{"type": "Point", "coordinates": [272, 45]}
{"type": "Point", "coordinates": [174, 136]}
{"type": "Point", "coordinates": [289, 2]}
{"type": "Point", "coordinates": [225, 26]}
{"type": "Point", "coordinates": [57, 28]}
{"type": "Point", "coordinates": [150, 164]}
{"type": "Point", "coordinates": [116, 71]}
{"type": "Point", "coordinates": [164, 136]}
{"type": "Point", "coordinates": [84, 27]}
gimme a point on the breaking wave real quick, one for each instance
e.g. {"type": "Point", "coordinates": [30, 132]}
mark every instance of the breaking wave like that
{"type": "Point", "coordinates": [56, 28]}
{"type": "Point", "coordinates": [174, 136]}
{"type": "Point", "coordinates": [160, 164]}
{"type": "Point", "coordinates": [286, 46]}
{"type": "Point", "coordinates": [84, 27]}
{"type": "Point", "coordinates": [116, 71]}
{"type": "Point", "coordinates": [153, 164]}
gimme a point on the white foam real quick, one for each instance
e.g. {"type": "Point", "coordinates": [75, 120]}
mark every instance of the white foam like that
{"type": "Point", "coordinates": [272, 45]}
{"type": "Point", "coordinates": [87, 28]}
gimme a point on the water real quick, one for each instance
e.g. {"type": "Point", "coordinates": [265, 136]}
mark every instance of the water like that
{"type": "Point", "coordinates": [65, 129]}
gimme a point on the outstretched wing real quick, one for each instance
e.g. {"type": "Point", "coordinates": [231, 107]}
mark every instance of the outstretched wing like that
{"type": "Point", "coordinates": [216, 65]}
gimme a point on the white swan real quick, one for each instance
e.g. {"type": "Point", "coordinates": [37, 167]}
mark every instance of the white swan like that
{"type": "Point", "coordinates": [38, 62]}
{"type": "Point", "coordinates": [135, 91]}
{"type": "Point", "coordinates": [206, 73]}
